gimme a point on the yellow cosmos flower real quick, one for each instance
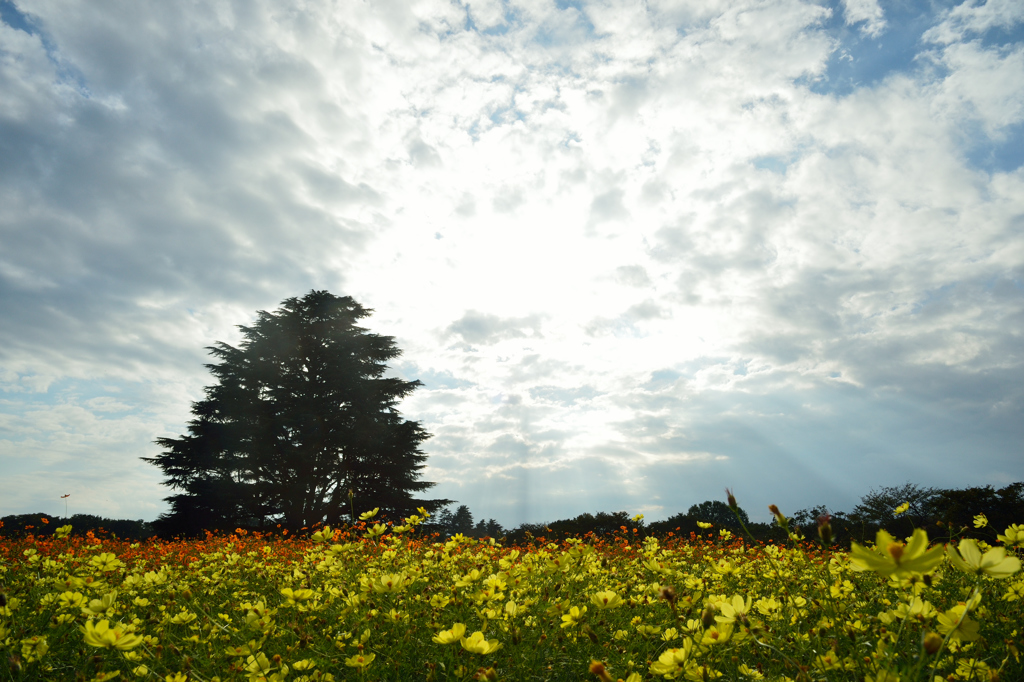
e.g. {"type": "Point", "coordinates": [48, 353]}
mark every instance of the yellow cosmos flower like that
{"type": "Point", "coordinates": [573, 617]}
{"type": "Point", "coordinates": [296, 595]}
{"type": "Point", "coordinates": [71, 600]}
{"type": "Point", "coordinates": [890, 557]}
{"type": "Point", "coordinates": [752, 673]}
{"type": "Point", "coordinates": [360, 661]}
{"type": "Point", "coordinates": [105, 561]}
{"type": "Point", "coordinates": [98, 607]}
{"type": "Point", "coordinates": [901, 509]}
{"type": "Point", "coordinates": [34, 648]}
{"type": "Point", "coordinates": [375, 530]}
{"type": "Point", "coordinates": [717, 634]}
{"type": "Point", "coordinates": [1014, 535]}
{"type": "Point", "coordinates": [103, 677]}
{"type": "Point", "coordinates": [451, 636]}
{"type": "Point", "coordinates": [606, 600]}
{"type": "Point", "coordinates": [735, 610]}
{"type": "Point", "coordinates": [704, 525]}
{"type": "Point", "coordinates": [366, 516]}
{"type": "Point", "coordinates": [674, 662]}
{"type": "Point", "coordinates": [993, 563]}
{"type": "Point", "coordinates": [176, 677]}
{"type": "Point", "coordinates": [957, 625]}
{"type": "Point", "coordinates": [103, 636]}
{"type": "Point", "coordinates": [183, 618]}
{"type": "Point", "coordinates": [477, 644]}
{"type": "Point", "coordinates": [980, 521]}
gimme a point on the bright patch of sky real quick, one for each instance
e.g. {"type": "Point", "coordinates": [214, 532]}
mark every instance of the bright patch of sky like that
{"type": "Point", "coordinates": [636, 253]}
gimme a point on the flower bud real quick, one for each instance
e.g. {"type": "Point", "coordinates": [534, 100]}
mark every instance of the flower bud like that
{"type": "Point", "coordinates": [932, 642]}
{"type": "Point", "coordinates": [780, 518]}
{"type": "Point", "coordinates": [825, 529]}
{"type": "Point", "coordinates": [598, 668]}
{"type": "Point", "coordinates": [732, 500]}
{"type": "Point", "coordinates": [707, 617]}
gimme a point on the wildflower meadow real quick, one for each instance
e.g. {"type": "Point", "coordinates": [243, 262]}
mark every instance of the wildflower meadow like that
{"type": "Point", "coordinates": [378, 601]}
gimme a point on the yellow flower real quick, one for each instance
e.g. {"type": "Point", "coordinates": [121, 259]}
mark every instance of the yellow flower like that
{"type": "Point", "coordinates": [901, 509]}
{"type": "Point", "coordinates": [176, 677]}
{"type": "Point", "coordinates": [957, 625]}
{"type": "Point", "coordinates": [702, 524]}
{"type": "Point", "coordinates": [296, 595]}
{"type": "Point", "coordinates": [890, 557]}
{"type": "Point", "coordinates": [304, 664]}
{"type": "Point", "coordinates": [717, 634]}
{"type": "Point", "coordinates": [994, 563]}
{"type": "Point", "coordinates": [105, 562]}
{"type": "Point", "coordinates": [366, 516]}
{"type": "Point", "coordinates": [259, 668]}
{"type": "Point", "coordinates": [323, 535]}
{"type": "Point", "coordinates": [606, 600]}
{"type": "Point", "coordinates": [103, 677]}
{"type": "Point", "coordinates": [917, 608]}
{"type": "Point", "coordinates": [477, 644]}
{"type": "Point", "coordinates": [103, 636]}
{"type": "Point", "coordinates": [674, 662]}
{"type": "Point", "coordinates": [183, 618]}
{"type": "Point", "coordinates": [34, 648]}
{"type": "Point", "coordinates": [141, 671]}
{"type": "Point", "coordinates": [360, 660]}
{"type": "Point", "coordinates": [71, 600]}
{"type": "Point", "coordinates": [980, 521]}
{"type": "Point", "coordinates": [750, 672]}
{"type": "Point", "coordinates": [450, 636]}
{"type": "Point", "coordinates": [98, 607]}
{"type": "Point", "coordinates": [1014, 535]}
{"type": "Point", "coordinates": [734, 610]}
{"type": "Point", "coordinates": [573, 617]}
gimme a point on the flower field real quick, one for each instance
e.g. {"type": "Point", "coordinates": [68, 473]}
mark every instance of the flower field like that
{"type": "Point", "coordinates": [376, 602]}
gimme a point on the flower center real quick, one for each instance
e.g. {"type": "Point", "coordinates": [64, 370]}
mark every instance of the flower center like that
{"type": "Point", "coordinates": [895, 550]}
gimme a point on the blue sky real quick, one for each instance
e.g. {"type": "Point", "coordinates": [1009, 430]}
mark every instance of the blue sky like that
{"type": "Point", "coordinates": [636, 252]}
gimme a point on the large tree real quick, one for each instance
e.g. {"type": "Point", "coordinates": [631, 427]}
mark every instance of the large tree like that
{"type": "Point", "coordinates": [300, 424]}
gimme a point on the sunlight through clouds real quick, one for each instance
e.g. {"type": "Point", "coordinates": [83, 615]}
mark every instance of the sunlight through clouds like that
{"type": "Point", "coordinates": [635, 252]}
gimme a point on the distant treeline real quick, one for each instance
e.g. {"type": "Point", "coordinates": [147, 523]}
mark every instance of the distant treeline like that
{"type": "Point", "coordinates": [941, 512]}
{"type": "Point", "coordinates": [34, 524]}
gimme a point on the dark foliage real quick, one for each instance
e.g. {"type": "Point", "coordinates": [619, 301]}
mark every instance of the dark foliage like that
{"type": "Point", "coordinates": [300, 428]}
{"type": "Point", "coordinates": [25, 524]}
{"type": "Point", "coordinates": [718, 513]}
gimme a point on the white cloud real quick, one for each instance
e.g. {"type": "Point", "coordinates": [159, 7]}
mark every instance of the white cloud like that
{"type": "Point", "coordinates": [868, 11]}
{"type": "Point", "coordinates": [623, 244]}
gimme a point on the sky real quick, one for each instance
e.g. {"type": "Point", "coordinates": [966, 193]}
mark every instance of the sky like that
{"type": "Point", "coordinates": [636, 252]}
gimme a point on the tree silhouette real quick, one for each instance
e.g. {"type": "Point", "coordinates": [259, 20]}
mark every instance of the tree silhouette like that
{"type": "Point", "coordinates": [717, 512]}
{"type": "Point", "coordinates": [877, 508]}
{"type": "Point", "coordinates": [300, 424]}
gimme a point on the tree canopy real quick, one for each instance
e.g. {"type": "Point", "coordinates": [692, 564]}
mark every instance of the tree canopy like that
{"type": "Point", "coordinates": [300, 427]}
{"type": "Point", "coordinates": [717, 512]}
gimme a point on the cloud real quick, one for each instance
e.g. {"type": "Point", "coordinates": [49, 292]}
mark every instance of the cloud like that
{"type": "Point", "coordinates": [635, 252]}
{"type": "Point", "coordinates": [482, 328]}
{"type": "Point", "coordinates": [867, 11]}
